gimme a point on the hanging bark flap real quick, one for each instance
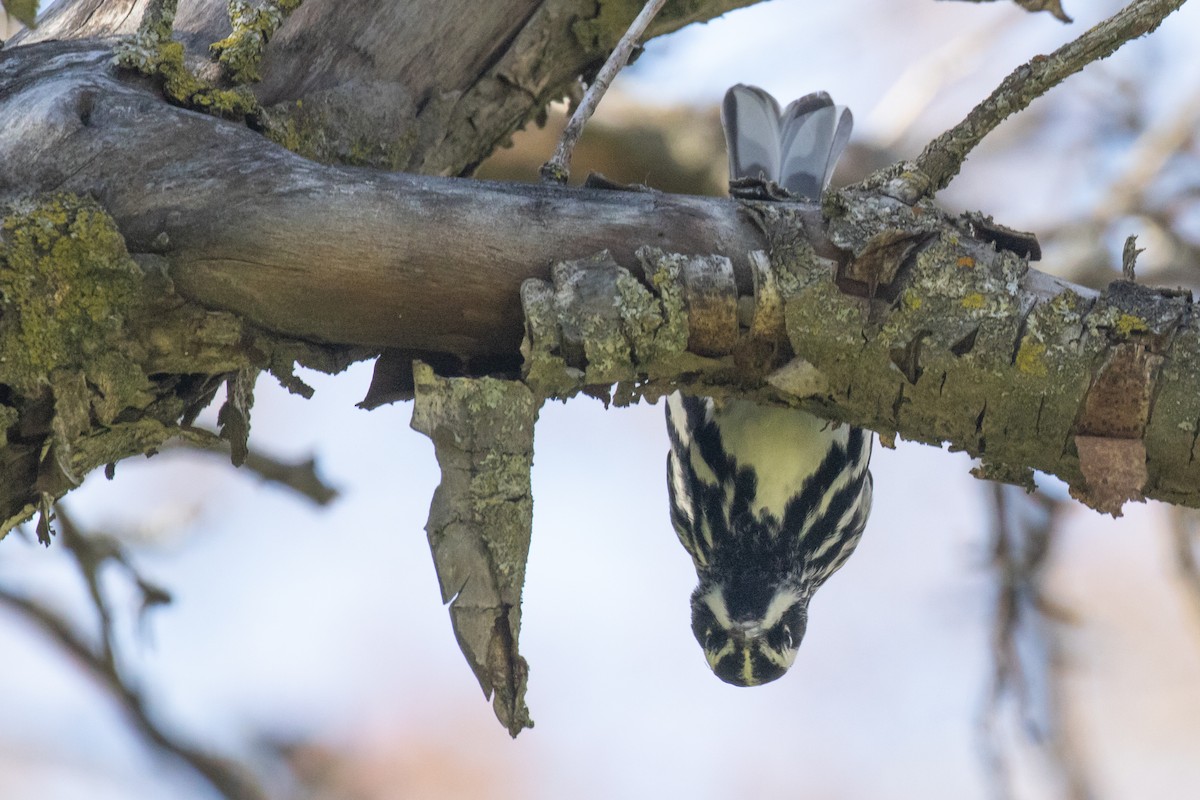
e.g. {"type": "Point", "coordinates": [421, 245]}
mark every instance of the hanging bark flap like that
{"type": "Point", "coordinates": [480, 522]}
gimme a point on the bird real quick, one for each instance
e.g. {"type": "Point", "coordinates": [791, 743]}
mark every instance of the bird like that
{"type": "Point", "coordinates": [768, 501]}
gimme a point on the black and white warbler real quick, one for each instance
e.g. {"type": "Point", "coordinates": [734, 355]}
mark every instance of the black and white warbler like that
{"type": "Point", "coordinates": [768, 501]}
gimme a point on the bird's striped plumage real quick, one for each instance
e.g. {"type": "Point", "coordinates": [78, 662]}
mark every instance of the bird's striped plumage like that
{"type": "Point", "coordinates": [769, 502]}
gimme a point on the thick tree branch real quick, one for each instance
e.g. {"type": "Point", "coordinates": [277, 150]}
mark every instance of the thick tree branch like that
{"type": "Point", "coordinates": [1003, 362]}
{"type": "Point", "coordinates": [428, 86]}
{"type": "Point", "coordinates": [397, 260]}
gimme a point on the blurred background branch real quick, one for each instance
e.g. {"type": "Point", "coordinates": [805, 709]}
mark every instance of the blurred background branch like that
{"type": "Point", "coordinates": [1025, 709]}
{"type": "Point", "coordinates": [92, 552]}
{"type": "Point", "coordinates": [1052, 6]}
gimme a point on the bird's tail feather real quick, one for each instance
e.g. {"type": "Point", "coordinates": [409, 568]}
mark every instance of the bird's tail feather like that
{"type": "Point", "coordinates": [797, 148]}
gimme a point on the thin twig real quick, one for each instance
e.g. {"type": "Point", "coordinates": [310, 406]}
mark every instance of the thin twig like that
{"type": "Point", "coordinates": [299, 476]}
{"type": "Point", "coordinates": [557, 169]}
{"type": "Point", "coordinates": [942, 158]}
{"type": "Point", "coordinates": [1053, 6]}
{"type": "Point", "coordinates": [91, 552]}
{"type": "Point", "coordinates": [89, 557]}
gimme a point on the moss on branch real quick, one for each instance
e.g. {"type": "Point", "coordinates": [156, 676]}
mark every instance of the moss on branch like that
{"type": "Point", "coordinates": [100, 359]}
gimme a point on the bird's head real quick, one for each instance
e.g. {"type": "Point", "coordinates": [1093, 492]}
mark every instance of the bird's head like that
{"type": "Point", "coordinates": [749, 645]}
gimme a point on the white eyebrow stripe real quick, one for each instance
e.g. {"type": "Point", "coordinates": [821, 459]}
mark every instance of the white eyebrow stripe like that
{"type": "Point", "coordinates": [715, 600]}
{"type": "Point", "coordinates": [783, 600]}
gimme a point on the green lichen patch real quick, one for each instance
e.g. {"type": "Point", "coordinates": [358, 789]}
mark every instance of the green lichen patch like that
{"type": "Point", "coordinates": [974, 301]}
{"type": "Point", "coordinates": [1127, 324]}
{"type": "Point", "coordinates": [596, 324]}
{"type": "Point", "coordinates": [240, 53]}
{"type": "Point", "coordinates": [963, 355]}
{"type": "Point", "coordinates": [101, 359]}
{"type": "Point", "coordinates": [164, 61]}
{"type": "Point", "coordinates": [67, 290]}
{"type": "Point", "coordinates": [656, 320]}
{"type": "Point", "coordinates": [66, 282]}
{"type": "Point", "coordinates": [98, 359]}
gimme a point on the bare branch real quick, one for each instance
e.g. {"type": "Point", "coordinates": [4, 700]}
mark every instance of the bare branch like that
{"type": "Point", "coordinates": [299, 476]}
{"type": "Point", "coordinates": [557, 169]}
{"type": "Point", "coordinates": [1053, 6]}
{"type": "Point", "coordinates": [942, 158]}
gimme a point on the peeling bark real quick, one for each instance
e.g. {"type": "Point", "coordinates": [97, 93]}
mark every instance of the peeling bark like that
{"type": "Point", "coordinates": [480, 523]}
{"type": "Point", "coordinates": [965, 346]}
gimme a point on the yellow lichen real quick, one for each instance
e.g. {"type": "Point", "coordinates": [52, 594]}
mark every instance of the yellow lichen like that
{"type": "Point", "coordinates": [65, 282]}
{"type": "Point", "coordinates": [165, 62]}
{"type": "Point", "coordinates": [1030, 357]}
{"type": "Point", "coordinates": [911, 301]}
{"type": "Point", "coordinates": [1128, 323]}
{"type": "Point", "coordinates": [974, 301]}
{"type": "Point", "coordinates": [253, 26]}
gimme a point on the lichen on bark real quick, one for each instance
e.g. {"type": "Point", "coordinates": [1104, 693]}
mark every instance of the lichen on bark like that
{"type": "Point", "coordinates": [100, 359]}
{"type": "Point", "coordinates": [66, 281]}
{"type": "Point", "coordinates": [241, 52]}
{"type": "Point", "coordinates": [912, 323]}
{"type": "Point", "coordinates": [480, 522]}
{"type": "Point", "coordinates": [153, 53]}
{"type": "Point", "coordinates": [595, 324]}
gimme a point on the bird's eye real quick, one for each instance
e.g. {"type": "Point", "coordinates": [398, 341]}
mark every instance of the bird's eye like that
{"type": "Point", "coordinates": [708, 639]}
{"type": "Point", "coordinates": [787, 637]}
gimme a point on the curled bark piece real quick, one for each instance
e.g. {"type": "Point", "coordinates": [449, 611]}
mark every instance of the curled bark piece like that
{"type": "Point", "coordinates": [595, 324]}
{"type": "Point", "coordinates": [710, 295]}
